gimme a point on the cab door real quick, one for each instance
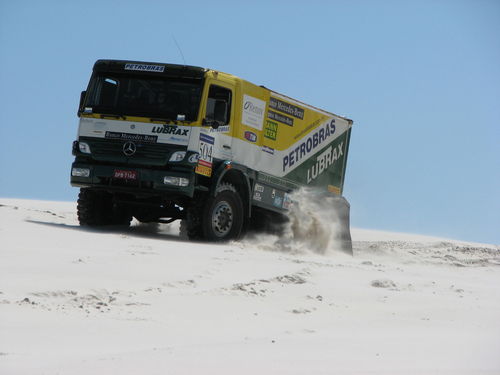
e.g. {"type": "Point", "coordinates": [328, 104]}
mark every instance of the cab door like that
{"type": "Point", "coordinates": [216, 134]}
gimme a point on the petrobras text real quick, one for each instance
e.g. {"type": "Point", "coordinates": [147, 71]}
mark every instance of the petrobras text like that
{"type": "Point", "coordinates": [145, 68]}
{"type": "Point", "coordinates": [313, 141]}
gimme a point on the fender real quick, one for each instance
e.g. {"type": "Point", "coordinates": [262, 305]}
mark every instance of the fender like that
{"type": "Point", "coordinates": [229, 167]}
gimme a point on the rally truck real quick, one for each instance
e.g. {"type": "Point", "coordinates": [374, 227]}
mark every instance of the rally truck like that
{"type": "Point", "coordinates": [164, 142]}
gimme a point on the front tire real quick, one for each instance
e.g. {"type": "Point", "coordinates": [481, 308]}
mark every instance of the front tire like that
{"type": "Point", "coordinates": [96, 208]}
{"type": "Point", "coordinates": [223, 215]}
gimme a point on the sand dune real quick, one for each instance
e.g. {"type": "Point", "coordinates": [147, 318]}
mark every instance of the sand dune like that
{"type": "Point", "coordinates": [144, 301]}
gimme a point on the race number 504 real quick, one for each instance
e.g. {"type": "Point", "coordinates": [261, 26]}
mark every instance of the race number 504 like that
{"type": "Point", "coordinates": [206, 149]}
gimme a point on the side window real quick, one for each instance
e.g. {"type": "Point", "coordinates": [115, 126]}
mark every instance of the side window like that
{"type": "Point", "coordinates": [219, 104]}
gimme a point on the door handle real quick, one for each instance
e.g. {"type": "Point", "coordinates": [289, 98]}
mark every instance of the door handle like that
{"type": "Point", "coordinates": [226, 147]}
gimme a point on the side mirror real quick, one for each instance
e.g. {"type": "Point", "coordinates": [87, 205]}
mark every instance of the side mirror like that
{"type": "Point", "coordinates": [210, 122]}
{"type": "Point", "coordinates": [82, 98]}
{"type": "Point", "coordinates": [218, 116]}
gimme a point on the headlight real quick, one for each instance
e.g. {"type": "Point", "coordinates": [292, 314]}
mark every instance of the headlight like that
{"type": "Point", "coordinates": [80, 172]}
{"type": "Point", "coordinates": [84, 147]}
{"type": "Point", "coordinates": [177, 156]}
{"type": "Point", "coordinates": [177, 181]}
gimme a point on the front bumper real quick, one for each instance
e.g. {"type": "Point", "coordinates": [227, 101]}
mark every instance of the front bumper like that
{"type": "Point", "coordinates": [146, 181]}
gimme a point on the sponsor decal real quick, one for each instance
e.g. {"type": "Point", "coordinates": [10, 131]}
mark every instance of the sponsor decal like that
{"type": "Point", "coordinates": [250, 136]}
{"type": "Point", "coordinates": [206, 146]}
{"type": "Point", "coordinates": [204, 171]}
{"type": "Point", "coordinates": [131, 137]}
{"type": "Point", "coordinates": [308, 127]}
{"type": "Point", "coordinates": [324, 160]}
{"type": "Point", "coordinates": [145, 68]}
{"type": "Point", "coordinates": [258, 191]}
{"type": "Point", "coordinates": [280, 118]}
{"type": "Point", "coordinates": [253, 112]}
{"type": "Point", "coordinates": [193, 158]}
{"type": "Point", "coordinates": [287, 201]}
{"type": "Point", "coordinates": [309, 145]}
{"type": "Point", "coordinates": [287, 108]}
{"type": "Point", "coordinates": [220, 129]}
{"type": "Point", "coordinates": [271, 130]}
{"type": "Point", "coordinates": [170, 129]}
{"type": "Point", "coordinates": [278, 201]}
{"type": "Point", "coordinates": [258, 188]}
{"type": "Point", "coordinates": [267, 149]}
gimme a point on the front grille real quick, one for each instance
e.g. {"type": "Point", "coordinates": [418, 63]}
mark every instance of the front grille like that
{"type": "Point", "coordinates": [110, 150]}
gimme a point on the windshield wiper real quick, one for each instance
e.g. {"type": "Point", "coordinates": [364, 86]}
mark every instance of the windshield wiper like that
{"type": "Point", "coordinates": [113, 116]}
{"type": "Point", "coordinates": [166, 120]}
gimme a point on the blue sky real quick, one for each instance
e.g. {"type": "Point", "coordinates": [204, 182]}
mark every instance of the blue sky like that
{"type": "Point", "coordinates": [420, 79]}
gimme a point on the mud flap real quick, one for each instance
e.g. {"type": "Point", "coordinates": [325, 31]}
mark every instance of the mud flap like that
{"type": "Point", "coordinates": [342, 208]}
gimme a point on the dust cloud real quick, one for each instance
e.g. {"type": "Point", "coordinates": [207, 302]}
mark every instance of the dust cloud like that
{"type": "Point", "coordinates": [314, 226]}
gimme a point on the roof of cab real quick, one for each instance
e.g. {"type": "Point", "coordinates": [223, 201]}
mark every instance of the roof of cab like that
{"type": "Point", "coordinates": [149, 68]}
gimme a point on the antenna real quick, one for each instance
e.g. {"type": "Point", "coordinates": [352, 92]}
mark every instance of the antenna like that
{"type": "Point", "coordinates": [179, 48]}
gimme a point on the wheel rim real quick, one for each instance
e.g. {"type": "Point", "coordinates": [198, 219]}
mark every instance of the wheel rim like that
{"type": "Point", "coordinates": [222, 219]}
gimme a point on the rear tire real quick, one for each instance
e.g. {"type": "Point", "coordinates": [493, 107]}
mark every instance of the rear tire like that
{"type": "Point", "coordinates": [223, 215]}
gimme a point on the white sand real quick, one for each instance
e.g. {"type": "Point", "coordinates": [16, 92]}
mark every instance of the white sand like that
{"type": "Point", "coordinates": [142, 301]}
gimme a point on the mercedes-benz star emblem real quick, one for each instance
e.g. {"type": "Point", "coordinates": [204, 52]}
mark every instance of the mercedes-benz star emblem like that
{"type": "Point", "coordinates": [129, 148]}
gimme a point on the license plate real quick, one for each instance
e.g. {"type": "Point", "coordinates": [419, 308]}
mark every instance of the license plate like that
{"type": "Point", "coordinates": [126, 175]}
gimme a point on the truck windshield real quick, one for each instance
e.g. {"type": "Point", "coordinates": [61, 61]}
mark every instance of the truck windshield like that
{"type": "Point", "coordinates": [153, 97]}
